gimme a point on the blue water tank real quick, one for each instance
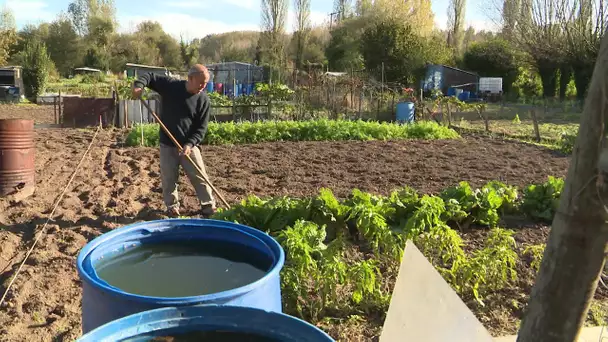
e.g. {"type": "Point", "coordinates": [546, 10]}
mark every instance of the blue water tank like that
{"type": "Point", "coordinates": [451, 91]}
{"type": "Point", "coordinates": [210, 87]}
{"type": "Point", "coordinates": [229, 89]}
{"type": "Point", "coordinates": [464, 96]}
{"type": "Point", "coordinates": [172, 321]}
{"type": "Point", "coordinates": [103, 303]}
{"type": "Point", "coordinates": [405, 112]}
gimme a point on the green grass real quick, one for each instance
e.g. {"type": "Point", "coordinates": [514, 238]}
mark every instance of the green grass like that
{"type": "Point", "coordinates": [314, 130]}
{"type": "Point", "coordinates": [558, 126]}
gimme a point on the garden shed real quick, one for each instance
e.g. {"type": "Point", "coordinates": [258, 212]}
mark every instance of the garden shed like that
{"type": "Point", "coordinates": [443, 77]}
{"type": "Point", "coordinates": [11, 82]}
{"type": "Point", "coordinates": [135, 70]}
{"type": "Point", "coordinates": [238, 72]}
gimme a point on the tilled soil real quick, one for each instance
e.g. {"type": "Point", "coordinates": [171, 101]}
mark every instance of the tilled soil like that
{"type": "Point", "coordinates": [118, 185]}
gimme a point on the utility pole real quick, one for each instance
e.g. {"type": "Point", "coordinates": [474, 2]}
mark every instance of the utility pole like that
{"type": "Point", "coordinates": [331, 18]}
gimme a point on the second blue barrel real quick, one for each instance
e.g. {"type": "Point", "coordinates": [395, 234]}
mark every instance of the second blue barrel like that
{"type": "Point", "coordinates": [210, 323]}
{"type": "Point", "coordinates": [178, 263]}
{"type": "Point", "coordinates": [405, 112]}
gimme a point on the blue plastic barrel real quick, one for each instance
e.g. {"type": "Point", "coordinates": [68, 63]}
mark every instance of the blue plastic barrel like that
{"type": "Point", "coordinates": [173, 321]}
{"type": "Point", "coordinates": [210, 87]}
{"type": "Point", "coordinates": [451, 91]}
{"type": "Point", "coordinates": [103, 303]}
{"type": "Point", "coordinates": [464, 96]}
{"type": "Point", "coordinates": [405, 112]}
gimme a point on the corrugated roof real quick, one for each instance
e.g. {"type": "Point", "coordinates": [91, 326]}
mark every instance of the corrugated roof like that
{"type": "Point", "coordinates": [232, 62]}
{"type": "Point", "coordinates": [459, 70]}
{"type": "Point", "coordinates": [87, 69]}
{"type": "Point", "coordinates": [145, 66]}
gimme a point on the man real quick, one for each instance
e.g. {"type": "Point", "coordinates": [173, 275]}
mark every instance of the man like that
{"type": "Point", "coordinates": [185, 113]}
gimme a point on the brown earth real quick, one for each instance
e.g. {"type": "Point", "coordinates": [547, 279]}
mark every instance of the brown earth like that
{"type": "Point", "coordinates": [118, 186]}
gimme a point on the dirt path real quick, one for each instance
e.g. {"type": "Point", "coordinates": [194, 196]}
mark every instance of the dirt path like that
{"type": "Point", "coordinates": [118, 186]}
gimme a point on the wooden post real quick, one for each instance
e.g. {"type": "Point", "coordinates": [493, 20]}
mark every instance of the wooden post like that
{"type": "Point", "coordinates": [535, 122]}
{"type": "Point", "coordinates": [141, 122]}
{"type": "Point", "coordinates": [127, 113]}
{"type": "Point", "coordinates": [360, 101]}
{"type": "Point", "coordinates": [393, 112]}
{"type": "Point", "coordinates": [449, 115]}
{"type": "Point", "coordinates": [60, 108]}
{"type": "Point", "coordinates": [486, 119]}
{"type": "Point", "coordinates": [55, 110]}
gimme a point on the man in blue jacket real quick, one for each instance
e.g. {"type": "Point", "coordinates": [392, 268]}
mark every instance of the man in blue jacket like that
{"type": "Point", "coordinates": [185, 113]}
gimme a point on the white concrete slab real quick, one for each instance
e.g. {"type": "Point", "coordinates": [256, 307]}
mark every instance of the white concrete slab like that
{"type": "Point", "coordinates": [594, 334]}
{"type": "Point", "coordinates": [424, 307]}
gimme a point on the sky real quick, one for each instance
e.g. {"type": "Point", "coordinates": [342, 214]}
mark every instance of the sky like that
{"type": "Point", "coordinates": [198, 18]}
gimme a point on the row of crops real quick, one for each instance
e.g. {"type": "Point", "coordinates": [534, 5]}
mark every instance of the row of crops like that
{"type": "Point", "coordinates": [312, 130]}
{"type": "Point", "coordinates": [342, 256]}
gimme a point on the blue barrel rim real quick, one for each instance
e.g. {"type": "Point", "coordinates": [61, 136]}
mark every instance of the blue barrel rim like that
{"type": "Point", "coordinates": [210, 316]}
{"type": "Point", "coordinates": [271, 243]}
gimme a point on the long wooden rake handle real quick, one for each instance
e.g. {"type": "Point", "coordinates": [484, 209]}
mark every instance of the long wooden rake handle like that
{"type": "Point", "coordinates": [201, 173]}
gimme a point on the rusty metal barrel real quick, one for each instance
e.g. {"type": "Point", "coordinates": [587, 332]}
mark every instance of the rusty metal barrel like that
{"type": "Point", "coordinates": [17, 156]}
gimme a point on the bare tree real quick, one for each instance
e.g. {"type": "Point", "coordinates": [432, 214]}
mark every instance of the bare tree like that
{"type": "Point", "coordinates": [576, 249]}
{"type": "Point", "coordinates": [511, 10]}
{"type": "Point", "coordinates": [302, 29]}
{"type": "Point", "coordinates": [538, 31]}
{"type": "Point", "coordinates": [274, 18]}
{"type": "Point", "coordinates": [342, 8]}
{"type": "Point", "coordinates": [8, 34]}
{"type": "Point", "coordinates": [456, 14]}
{"type": "Point", "coordinates": [584, 23]}
{"type": "Point", "coordinates": [362, 7]}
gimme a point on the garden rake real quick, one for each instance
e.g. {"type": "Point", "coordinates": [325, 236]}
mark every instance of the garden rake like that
{"type": "Point", "coordinates": [179, 146]}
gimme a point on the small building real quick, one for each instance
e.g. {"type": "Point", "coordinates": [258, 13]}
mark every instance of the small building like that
{"type": "Point", "coordinates": [11, 83]}
{"type": "Point", "coordinates": [443, 77]}
{"type": "Point", "coordinates": [86, 71]}
{"type": "Point", "coordinates": [237, 72]}
{"type": "Point", "coordinates": [135, 70]}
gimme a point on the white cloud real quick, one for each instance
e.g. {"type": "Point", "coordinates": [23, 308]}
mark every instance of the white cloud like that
{"type": "Point", "coordinates": [187, 4]}
{"type": "Point", "coordinates": [29, 11]}
{"type": "Point", "coordinates": [192, 26]}
{"type": "Point", "coordinates": [249, 4]}
{"type": "Point", "coordinates": [189, 26]}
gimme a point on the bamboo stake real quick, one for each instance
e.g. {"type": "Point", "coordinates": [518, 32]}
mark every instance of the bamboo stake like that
{"type": "Point", "coordinates": [179, 146]}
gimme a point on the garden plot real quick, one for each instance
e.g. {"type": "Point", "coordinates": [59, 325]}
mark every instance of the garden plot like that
{"type": "Point", "coordinates": [118, 185]}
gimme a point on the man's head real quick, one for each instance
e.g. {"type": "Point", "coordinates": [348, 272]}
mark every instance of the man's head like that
{"type": "Point", "coordinates": [198, 76]}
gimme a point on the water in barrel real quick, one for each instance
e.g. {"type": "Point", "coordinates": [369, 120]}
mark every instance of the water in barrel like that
{"type": "Point", "coordinates": [183, 268]}
{"type": "Point", "coordinates": [205, 336]}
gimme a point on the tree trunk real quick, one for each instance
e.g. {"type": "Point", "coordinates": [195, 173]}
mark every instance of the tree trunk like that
{"type": "Point", "coordinates": [575, 253]}
{"type": "Point", "coordinates": [548, 77]}
{"type": "Point", "coordinates": [565, 72]}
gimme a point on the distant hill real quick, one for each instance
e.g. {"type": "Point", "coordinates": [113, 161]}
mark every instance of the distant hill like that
{"type": "Point", "coordinates": [241, 46]}
{"type": "Point", "coordinates": [229, 46]}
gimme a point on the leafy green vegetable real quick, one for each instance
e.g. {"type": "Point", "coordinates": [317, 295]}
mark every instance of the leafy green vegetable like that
{"type": "Point", "coordinates": [313, 130]}
{"type": "Point", "coordinates": [343, 254]}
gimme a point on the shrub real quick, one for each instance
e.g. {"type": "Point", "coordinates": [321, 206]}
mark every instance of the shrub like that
{"type": "Point", "coordinates": [37, 65]}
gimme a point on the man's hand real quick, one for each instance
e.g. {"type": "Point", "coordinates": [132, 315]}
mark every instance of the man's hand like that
{"type": "Point", "coordinates": [187, 150]}
{"type": "Point", "coordinates": [137, 93]}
